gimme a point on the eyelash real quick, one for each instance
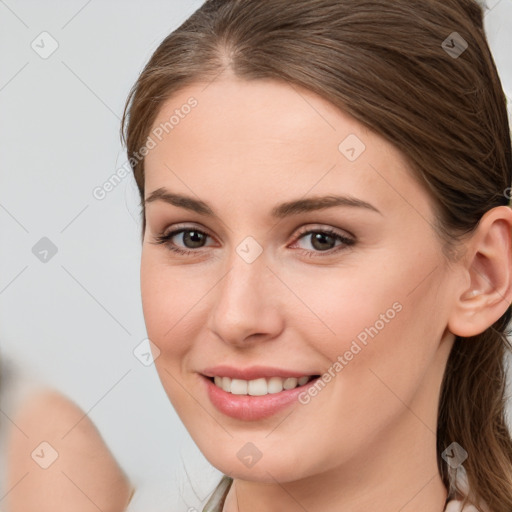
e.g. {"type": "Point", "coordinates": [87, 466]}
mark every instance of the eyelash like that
{"type": "Point", "coordinates": [164, 239]}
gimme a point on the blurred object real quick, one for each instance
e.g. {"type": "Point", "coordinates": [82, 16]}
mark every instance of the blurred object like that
{"type": "Point", "coordinates": [54, 458]}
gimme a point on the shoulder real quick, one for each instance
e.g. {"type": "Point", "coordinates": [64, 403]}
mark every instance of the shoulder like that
{"type": "Point", "coordinates": [56, 458]}
{"type": "Point", "coordinates": [456, 506]}
{"type": "Point", "coordinates": [459, 488]}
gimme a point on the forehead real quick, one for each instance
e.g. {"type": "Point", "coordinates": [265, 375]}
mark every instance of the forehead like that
{"type": "Point", "coordinates": [264, 115]}
{"type": "Point", "coordinates": [257, 137]}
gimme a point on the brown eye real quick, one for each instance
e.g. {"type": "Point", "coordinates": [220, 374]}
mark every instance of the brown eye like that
{"type": "Point", "coordinates": [192, 239]}
{"type": "Point", "coordinates": [324, 241]}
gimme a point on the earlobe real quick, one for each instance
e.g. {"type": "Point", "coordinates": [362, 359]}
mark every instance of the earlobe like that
{"type": "Point", "coordinates": [488, 269]}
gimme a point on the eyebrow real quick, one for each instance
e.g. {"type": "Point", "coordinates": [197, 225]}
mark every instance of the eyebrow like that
{"type": "Point", "coordinates": [280, 211]}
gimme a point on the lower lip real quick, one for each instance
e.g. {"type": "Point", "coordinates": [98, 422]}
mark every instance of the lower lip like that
{"type": "Point", "coordinates": [253, 408]}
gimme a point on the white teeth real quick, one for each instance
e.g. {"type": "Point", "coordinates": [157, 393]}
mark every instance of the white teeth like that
{"type": "Point", "coordinates": [226, 384]}
{"type": "Point", "coordinates": [275, 385]}
{"type": "Point", "coordinates": [259, 387]}
{"type": "Point", "coordinates": [238, 387]}
{"type": "Point", "coordinates": [290, 383]}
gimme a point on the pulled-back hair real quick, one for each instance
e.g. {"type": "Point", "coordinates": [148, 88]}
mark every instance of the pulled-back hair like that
{"type": "Point", "coordinates": [388, 64]}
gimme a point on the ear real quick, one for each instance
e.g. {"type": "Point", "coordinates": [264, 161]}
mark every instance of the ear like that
{"type": "Point", "coordinates": [487, 268]}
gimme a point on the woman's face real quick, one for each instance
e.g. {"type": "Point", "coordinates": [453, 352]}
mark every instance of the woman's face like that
{"type": "Point", "coordinates": [273, 286]}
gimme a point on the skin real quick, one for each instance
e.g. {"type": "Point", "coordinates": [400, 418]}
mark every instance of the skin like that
{"type": "Point", "coordinates": [83, 478]}
{"type": "Point", "coordinates": [367, 440]}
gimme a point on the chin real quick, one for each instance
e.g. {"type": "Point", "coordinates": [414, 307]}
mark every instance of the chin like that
{"type": "Point", "coordinates": [243, 460]}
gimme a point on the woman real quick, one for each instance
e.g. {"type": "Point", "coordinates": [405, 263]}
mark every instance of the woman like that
{"type": "Point", "coordinates": [327, 259]}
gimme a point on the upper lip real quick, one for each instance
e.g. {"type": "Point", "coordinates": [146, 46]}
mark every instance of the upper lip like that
{"type": "Point", "coordinates": [252, 372]}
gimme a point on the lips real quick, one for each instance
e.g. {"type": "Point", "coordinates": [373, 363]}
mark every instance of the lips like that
{"type": "Point", "coordinates": [241, 393]}
{"type": "Point", "coordinates": [253, 372]}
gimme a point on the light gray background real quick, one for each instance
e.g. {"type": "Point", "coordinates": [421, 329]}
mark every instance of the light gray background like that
{"type": "Point", "coordinates": [74, 321]}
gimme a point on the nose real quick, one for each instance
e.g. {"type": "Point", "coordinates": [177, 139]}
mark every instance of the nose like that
{"type": "Point", "coordinates": [246, 307]}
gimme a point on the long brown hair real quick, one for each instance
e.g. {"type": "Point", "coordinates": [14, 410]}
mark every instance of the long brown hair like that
{"type": "Point", "coordinates": [398, 67]}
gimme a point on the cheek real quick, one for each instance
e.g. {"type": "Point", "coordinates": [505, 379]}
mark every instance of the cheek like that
{"type": "Point", "coordinates": [173, 297]}
{"type": "Point", "coordinates": [338, 305]}
{"type": "Point", "coordinates": [168, 308]}
{"type": "Point", "coordinates": [162, 300]}
{"type": "Point", "coordinates": [392, 334]}
{"type": "Point", "coordinates": [153, 300]}
{"type": "Point", "coordinates": [388, 318]}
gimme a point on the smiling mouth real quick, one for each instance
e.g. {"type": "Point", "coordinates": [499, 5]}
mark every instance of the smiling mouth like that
{"type": "Point", "coordinates": [262, 386]}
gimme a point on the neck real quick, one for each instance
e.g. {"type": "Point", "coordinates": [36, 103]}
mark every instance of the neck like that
{"type": "Point", "coordinates": [407, 481]}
